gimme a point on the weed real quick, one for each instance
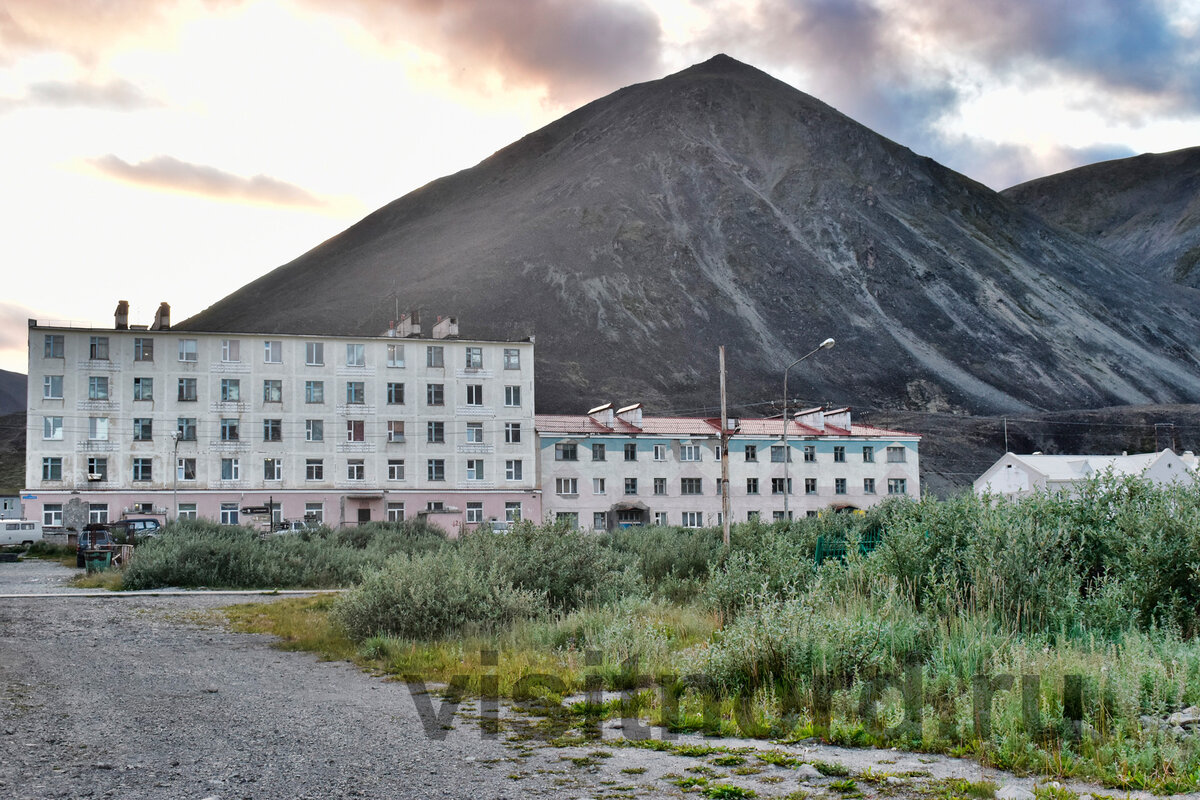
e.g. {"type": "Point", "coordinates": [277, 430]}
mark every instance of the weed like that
{"type": "Point", "coordinates": [829, 769]}
{"type": "Point", "coordinates": [726, 790]}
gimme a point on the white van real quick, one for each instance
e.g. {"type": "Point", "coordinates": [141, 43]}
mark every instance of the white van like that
{"type": "Point", "coordinates": [20, 531]}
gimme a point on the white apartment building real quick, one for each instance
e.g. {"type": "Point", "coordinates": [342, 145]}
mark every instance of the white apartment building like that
{"type": "Point", "coordinates": [334, 429]}
{"type": "Point", "coordinates": [616, 468]}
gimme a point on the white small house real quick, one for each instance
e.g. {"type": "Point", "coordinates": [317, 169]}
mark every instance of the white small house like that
{"type": "Point", "coordinates": [1023, 475]}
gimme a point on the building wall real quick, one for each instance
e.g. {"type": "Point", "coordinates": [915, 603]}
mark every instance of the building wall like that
{"type": "Point", "coordinates": [275, 378]}
{"type": "Point", "coordinates": [704, 508]}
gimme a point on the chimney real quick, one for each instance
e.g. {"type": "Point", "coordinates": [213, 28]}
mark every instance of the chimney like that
{"type": "Point", "coordinates": [162, 318]}
{"type": "Point", "coordinates": [812, 417]}
{"type": "Point", "coordinates": [409, 325]}
{"type": "Point", "coordinates": [838, 418]}
{"type": "Point", "coordinates": [603, 415]}
{"type": "Point", "coordinates": [446, 328]}
{"type": "Point", "coordinates": [121, 315]}
{"type": "Point", "coordinates": [631, 414]}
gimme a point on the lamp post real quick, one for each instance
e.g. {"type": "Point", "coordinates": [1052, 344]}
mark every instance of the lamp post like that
{"type": "Point", "coordinates": [175, 481]}
{"type": "Point", "coordinates": [787, 456]}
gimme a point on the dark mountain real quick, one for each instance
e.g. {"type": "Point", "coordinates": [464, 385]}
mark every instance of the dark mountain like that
{"type": "Point", "coordinates": [12, 392]}
{"type": "Point", "coordinates": [1145, 208]}
{"type": "Point", "coordinates": [721, 206]}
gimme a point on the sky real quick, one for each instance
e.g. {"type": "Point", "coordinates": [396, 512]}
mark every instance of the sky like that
{"type": "Point", "coordinates": [175, 151]}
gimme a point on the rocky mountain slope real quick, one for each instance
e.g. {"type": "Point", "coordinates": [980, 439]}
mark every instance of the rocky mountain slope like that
{"type": "Point", "coordinates": [1146, 209]}
{"type": "Point", "coordinates": [721, 206]}
{"type": "Point", "coordinates": [12, 391]}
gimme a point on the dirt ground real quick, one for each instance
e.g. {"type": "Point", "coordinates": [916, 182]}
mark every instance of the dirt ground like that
{"type": "Point", "coordinates": [154, 697]}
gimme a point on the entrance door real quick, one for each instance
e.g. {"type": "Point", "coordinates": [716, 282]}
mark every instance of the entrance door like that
{"type": "Point", "coordinates": [364, 515]}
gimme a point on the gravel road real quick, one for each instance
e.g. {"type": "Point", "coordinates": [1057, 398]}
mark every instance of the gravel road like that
{"type": "Point", "coordinates": [154, 697]}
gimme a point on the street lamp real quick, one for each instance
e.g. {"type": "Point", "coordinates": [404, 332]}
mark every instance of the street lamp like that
{"type": "Point", "coordinates": [787, 456]}
{"type": "Point", "coordinates": [175, 482]}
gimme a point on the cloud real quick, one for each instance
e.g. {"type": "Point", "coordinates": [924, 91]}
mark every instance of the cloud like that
{"type": "Point", "coordinates": [117, 95]}
{"type": "Point", "coordinates": [575, 49]}
{"type": "Point", "coordinates": [83, 30]}
{"type": "Point", "coordinates": [1004, 165]}
{"type": "Point", "coordinates": [171, 174]}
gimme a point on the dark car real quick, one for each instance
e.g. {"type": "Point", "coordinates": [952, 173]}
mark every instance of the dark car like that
{"type": "Point", "coordinates": [132, 531]}
{"type": "Point", "coordinates": [93, 537]}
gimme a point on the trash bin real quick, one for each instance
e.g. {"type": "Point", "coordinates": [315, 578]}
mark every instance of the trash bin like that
{"type": "Point", "coordinates": [97, 560]}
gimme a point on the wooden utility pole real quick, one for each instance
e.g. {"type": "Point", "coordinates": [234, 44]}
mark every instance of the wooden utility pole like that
{"type": "Point", "coordinates": [724, 456]}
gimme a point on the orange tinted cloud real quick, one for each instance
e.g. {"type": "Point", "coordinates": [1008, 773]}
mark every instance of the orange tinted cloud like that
{"type": "Point", "coordinates": [171, 174]}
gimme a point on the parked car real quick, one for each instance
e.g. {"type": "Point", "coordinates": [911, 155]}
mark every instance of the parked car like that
{"type": "Point", "coordinates": [132, 531]}
{"type": "Point", "coordinates": [95, 536]}
{"type": "Point", "coordinates": [20, 532]}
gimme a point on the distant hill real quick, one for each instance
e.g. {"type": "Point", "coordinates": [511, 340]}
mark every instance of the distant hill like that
{"type": "Point", "coordinates": [12, 452]}
{"type": "Point", "coordinates": [722, 206]}
{"type": "Point", "coordinates": [12, 392]}
{"type": "Point", "coordinates": [1145, 208]}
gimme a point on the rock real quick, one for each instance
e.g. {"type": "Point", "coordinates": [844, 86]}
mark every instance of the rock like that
{"type": "Point", "coordinates": [805, 771]}
{"type": "Point", "coordinates": [1011, 792]}
{"type": "Point", "coordinates": [895, 780]}
{"type": "Point", "coordinates": [1188, 717]}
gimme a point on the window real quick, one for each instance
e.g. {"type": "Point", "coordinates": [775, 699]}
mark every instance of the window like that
{"type": "Point", "coordinates": [395, 469]}
{"type": "Point", "coordinates": [660, 518]}
{"type": "Point", "coordinates": [751, 485]}
{"type": "Point", "coordinates": [689, 452]}
{"type": "Point", "coordinates": [598, 452]}
{"type": "Point", "coordinates": [395, 394]}
{"type": "Point", "coordinates": [98, 348]}
{"type": "Point", "coordinates": [810, 454]}
{"type": "Point", "coordinates": [185, 469]}
{"type": "Point", "coordinates": [314, 354]}
{"type": "Point", "coordinates": [187, 390]}
{"type": "Point", "coordinates": [751, 452]}
{"type": "Point", "coordinates": [598, 486]}
{"type": "Point", "coordinates": [356, 430]}
{"type": "Point", "coordinates": [314, 469]}
{"type": "Point", "coordinates": [187, 350]}
{"type": "Point", "coordinates": [660, 452]}
{"type": "Point", "coordinates": [512, 511]}
{"type": "Point", "coordinates": [474, 394]}
{"type": "Point", "coordinates": [143, 349]}
{"type": "Point", "coordinates": [474, 513]}
{"type": "Point", "coordinates": [435, 432]}
{"type": "Point", "coordinates": [566, 451]}
{"type": "Point", "coordinates": [395, 512]}
{"type": "Point", "coordinates": [810, 485]}
{"type": "Point", "coordinates": [839, 485]}
{"type": "Point", "coordinates": [143, 388]}
{"type": "Point", "coordinates": [272, 469]}
{"type": "Point", "coordinates": [693, 519]}
{"type": "Point", "coordinates": [143, 429]}
{"type": "Point", "coordinates": [97, 387]}
{"type": "Point", "coordinates": [356, 470]}
{"type": "Point", "coordinates": [512, 358]}
{"type": "Point", "coordinates": [97, 468]}
{"type": "Point", "coordinates": [52, 468]}
{"type": "Point", "coordinates": [474, 357]}
{"type": "Point", "coordinates": [778, 484]}
{"type": "Point", "coordinates": [566, 486]}
{"type": "Point", "coordinates": [231, 390]}
{"type": "Point", "coordinates": [231, 470]}
{"type": "Point", "coordinates": [143, 469]}
{"type": "Point", "coordinates": [474, 433]}
{"type": "Point", "coordinates": [54, 346]}
{"type": "Point", "coordinates": [512, 396]}
{"type": "Point", "coordinates": [272, 391]}
{"type": "Point", "coordinates": [751, 516]}
{"type": "Point", "coordinates": [356, 355]}
{"type": "Point", "coordinates": [435, 505]}
{"type": "Point", "coordinates": [631, 486]}
{"type": "Point", "coordinates": [779, 515]}
{"type": "Point", "coordinates": [273, 352]}
{"type": "Point", "coordinates": [512, 470]}
{"type": "Point", "coordinates": [568, 518]}
{"type": "Point", "coordinates": [897, 486]}
{"type": "Point", "coordinates": [229, 513]}
{"type": "Point", "coordinates": [52, 515]}
{"type": "Point", "coordinates": [185, 427]}
{"type": "Point", "coordinates": [435, 469]}
{"type": "Point", "coordinates": [52, 428]}
{"type": "Point", "coordinates": [314, 391]}
{"type": "Point", "coordinates": [231, 350]}
{"type": "Point", "coordinates": [186, 511]}
{"type": "Point", "coordinates": [660, 485]}
{"type": "Point", "coordinates": [272, 430]}
{"type": "Point", "coordinates": [778, 453]}
{"type": "Point", "coordinates": [434, 356]}
{"type": "Point", "coordinates": [314, 430]}
{"type": "Point", "coordinates": [395, 430]}
{"type": "Point", "coordinates": [868, 455]}
{"type": "Point", "coordinates": [631, 452]}
{"type": "Point", "coordinates": [868, 486]}
{"type": "Point", "coordinates": [98, 428]}
{"type": "Point", "coordinates": [435, 395]}
{"type": "Point", "coordinates": [599, 520]}
{"type": "Point", "coordinates": [52, 387]}
{"type": "Point", "coordinates": [474, 469]}
{"type": "Point", "coordinates": [356, 393]}
{"type": "Point", "coordinates": [229, 430]}
{"type": "Point", "coordinates": [839, 454]}
{"type": "Point", "coordinates": [512, 433]}
{"type": "Point", "coordinates": [895, 455]}
{"type": "Point", "coordinates": [395, 355]}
